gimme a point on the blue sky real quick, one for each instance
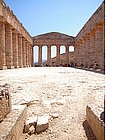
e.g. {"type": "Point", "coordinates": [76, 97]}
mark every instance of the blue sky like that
{"type": "Point", "coordinates": [43, 16]}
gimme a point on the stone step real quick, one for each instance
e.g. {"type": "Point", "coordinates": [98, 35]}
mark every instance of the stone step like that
{"type": "Point", "coordinates": [11, 128]}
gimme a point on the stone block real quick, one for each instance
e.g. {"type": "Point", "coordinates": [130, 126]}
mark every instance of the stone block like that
{"type": "Point", "coordinates": [11, 128]}
{"type": "Point", "coordinates": [42, 123]}
{"type": "Point", "coordinates": [94, 121]}
{"type": "Point", "coordinates": [5, 101]}
{"type": "Point", "coordinates": [31, 121]}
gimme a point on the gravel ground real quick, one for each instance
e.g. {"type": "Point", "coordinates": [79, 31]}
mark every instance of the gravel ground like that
{"type": "Point", "coordinates": [60, 90]}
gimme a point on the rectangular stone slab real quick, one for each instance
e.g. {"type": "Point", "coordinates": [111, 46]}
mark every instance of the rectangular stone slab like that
{"type": "Point", "coordinates": [42, 123]}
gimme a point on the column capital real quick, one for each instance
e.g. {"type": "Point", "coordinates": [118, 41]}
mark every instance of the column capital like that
{"type": "Point", "coordinates": [19, 35]}
{"type": "Point", "coordinates": [40, 46]}
{"type": "Point", "coordinates": [49, 46]}
{"type": "Point", "coordinates": [2, 20]}
{"type": "Point", "coordinates": [14, 31]}
{"type": "Point", "coordinates": [58, 46]}
{"type": "Point", "coordinates": [8, 26]}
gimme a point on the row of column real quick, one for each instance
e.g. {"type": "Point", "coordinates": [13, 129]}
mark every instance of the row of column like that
{"type": "Point", "coordinates": [15, 50]}
{"type": "Point", "coordinates": [49, 55]}
{"type": "Point", "coordinates": [91, 49]}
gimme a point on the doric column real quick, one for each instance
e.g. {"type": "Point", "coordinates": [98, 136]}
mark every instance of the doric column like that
{"type": "Point", "coordinates": [27, 56]}
{"type": "Point", "coordinates": [9, 47]}
{"type": "Point", "coordinates": [20, 47]}
{"type": "Point", "coordinates": [92, 49]}
{"type": "Point", "coordinates": [81, 53]}
{"type": "Point", "coordinates": [32, 56]}
{"type": "Point", "coordinates": [2, 46]}
{"type": "Point", "coordinates": [67, 54]}
{"type": "Point", "coordinates": [86, 52]}
{"type": "Point", "coordinates": [75, 54]}
{"type": "Point", "coordinates": [24, 52]}
{"type": "Point", "coordinates": [58, 56]}
{"type": "Point", "coordinates": [40, 55]}
{"type": "Point", "coordinates": [99, 46]}
{"type": "Point", "coordinates": [49, 55]}
{"type": "Point", "coordinates": [15, 48]}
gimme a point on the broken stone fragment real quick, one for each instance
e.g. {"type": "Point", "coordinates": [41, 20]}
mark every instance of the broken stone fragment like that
{"type": "Point", "coordinates": [42, 123]}
{"type": "Point", "coordinates": [54, 115]}
{"type": "Point", "coordinates": [31, 121]}
{"type": "Point", "coordinates": [31, 130]}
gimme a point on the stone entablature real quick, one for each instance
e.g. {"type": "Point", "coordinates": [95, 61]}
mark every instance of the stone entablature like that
{"type": "Point", "coordinates": [53, 38]}
{"type": "Point", "coordinates": [95, 19]}
{"type": "Point", "coordinates": [7, 16]}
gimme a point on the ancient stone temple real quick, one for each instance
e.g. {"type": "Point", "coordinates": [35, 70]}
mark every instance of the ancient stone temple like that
{"type": "Point", "coordinates": [16, 44]}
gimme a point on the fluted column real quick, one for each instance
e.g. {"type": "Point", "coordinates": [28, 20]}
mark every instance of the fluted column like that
{"type": "Point", "coordinates": [15, 48]}
{"type": "Point", "coordinates": [99, 46]}
{"type": "Point", "coordinates": [67, 54]}
{"type": "Point", "coordinates": [40, 55]}
{"type": "Point", "coordinates": [32, 56]}
{"type": "Point", "coordinates": [58, 56]}
{"type": "Point", "coordinates": [81, 53]}
{"type": "Point", "coordinates": [24, 52]}
{"type": "Point", "coordinates": [92, 49]}
{"type": "Point", "coordinates": [20, 51]}
{"type": "Point", "coordinates": [9, 47]}
{"type": "Point", "coordinates": [2, 46]}
{"type": "Point", "coordinates": [75, 54]}
{"type": "Point", "coordinates": [86, 50]}
{"type": "Point", "coordinates": [27, 56]}
{"type": "Point", "coordinates": [49, 55]}
{"type": "Point", "coordinates": [77, 50]}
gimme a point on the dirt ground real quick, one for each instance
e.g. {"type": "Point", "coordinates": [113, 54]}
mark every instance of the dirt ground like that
{"type": "Point", "coordinates": [57, 90]}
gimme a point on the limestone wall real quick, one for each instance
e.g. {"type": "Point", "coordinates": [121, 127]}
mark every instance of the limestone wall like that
{"type": "Point", "coordinates": [5, 101]}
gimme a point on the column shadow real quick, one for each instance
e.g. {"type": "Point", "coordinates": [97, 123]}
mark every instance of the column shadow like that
{"type": "Point", "coordinates": [89, 133]}
{"type": "Point", "coordinates": [93, 70]}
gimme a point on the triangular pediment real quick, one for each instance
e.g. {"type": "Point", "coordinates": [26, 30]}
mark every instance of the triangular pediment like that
{"type": "Point", "coordinates": [53, 35]}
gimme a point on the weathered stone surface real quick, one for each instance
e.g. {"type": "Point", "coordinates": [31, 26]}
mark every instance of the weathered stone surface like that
{"type": "Point", "coordinates": [54, 115]}
{"type": "Point", "coordinates": [89, 43]}
{"type": "Point", "coordinates": [31, 121]}
{"type": "Point", "coordinates": [93, 115]}
{"type": "Point", "coordinates": [11, 128]}
{"type": "Point", "coordinates": [10, 46]}
{"type": "Point", "coordinates": [5, 101]}
{"type": "Point", "coordinates": [31, 130]}
{"type": "Point", "coordinates": [42, 123]}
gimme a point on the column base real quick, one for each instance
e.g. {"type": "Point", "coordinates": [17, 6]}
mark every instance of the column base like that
{"type": "Point", "coordinates": [10, 67]}
{"type": "Point", "coordinates": [3, 67]}
{"type": "Point", "coordinates": [21, 66]}
{"type": "Point", "coordinates": [16, 66]}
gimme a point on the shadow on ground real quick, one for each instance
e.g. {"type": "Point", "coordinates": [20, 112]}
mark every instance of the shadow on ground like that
{"type": "Point", "coordinates": [88, 131]}
{"type": "Point", "coordinates": [96, 71]}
